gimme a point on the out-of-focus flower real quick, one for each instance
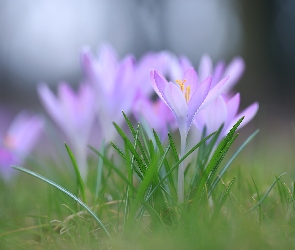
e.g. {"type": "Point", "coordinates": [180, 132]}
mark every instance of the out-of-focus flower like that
{"type": "Point", "coordinates": [118, 83]}
{"type": "Point", "coordinates": [74, 113]}
{"type": "Point", "coordinates": [222, 111]}
{"type": "Point", "coordinates": [234, 69]}
{"type": "Point", "coordinates": [18, 141]}
{"type": "Point", "coordinates": [153, 60]}
{"type": "Point", "coordinates": [187, 96]}
{"type": "Point", "coordinates": [114, 84]}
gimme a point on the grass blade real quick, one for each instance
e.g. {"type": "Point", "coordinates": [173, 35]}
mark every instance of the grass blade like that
{"type": "Point", "coordinates": [78, 175]}
{"type": "Point", "coordinates": [223, 171]}
{"type": "Point", "coordinates": [60, 188]}
{"type": "Point", "coordinates": [267, 192]}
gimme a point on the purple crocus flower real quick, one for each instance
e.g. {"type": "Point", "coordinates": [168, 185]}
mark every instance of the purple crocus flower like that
{"type": "Point", "coordinates": [185, 98]}
{"type": "Point", "coordinates": [153, 60]}
{"type": "Point", "coordinates": [234, 69]}
{"type": "Point", "coordinates": [114, 84]}
{"type": "Point", "coordinates": [18, 141]}
{"type": "Point", "coordinates": [223, 111]}
{"type": "Point", "coordinates": [74, 114]}
{"type": "Point", "coordinates": [119, 83]}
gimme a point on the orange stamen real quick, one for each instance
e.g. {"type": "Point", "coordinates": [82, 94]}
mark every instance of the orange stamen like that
{"type": "Point", "coordinates": [187, 93]}
{"type": "Point", "coordinates": [181, 84]}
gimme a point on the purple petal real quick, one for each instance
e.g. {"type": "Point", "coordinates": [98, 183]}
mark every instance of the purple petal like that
{"type": "Point", "coordinates": [185, 63]}
{"type": "Point", "coordinates": [23, 133]}
{"type": "Point", "coordinates": [159, 84]}
{"type": "Point", "coordinates": [233, 107]}
{"type": "Point", "coordinates": [215, 92]}
{"type": "Point", "coordinates": [214, 115]}
{"type": "Point", "coordinates": [85, 106]}
{"type": "Point", "coordinates": [108, 57]}
{"type": "Point", "coordinates": [86, 60]}
{"type": "Point", "coordinates": [249, 113]}
{"type": "Point", "coordinates": [177, 103]}
{"type": "Point", "coordinates": [196, 100]}
{"type": "Point", "coordinates": [158, 61]}
{"type": "Point", "coordinates": [205, 67]}
{"type": "Point", "coordinates": [217, 74]}
{"type": "Point", "coordinates": [235, 69]}
{"type": "Point", "coordinates": [50, 103]}
{"type": "Point", "coordinates": [191, 78]}
{"type": "Point", "coordinates": [175, 68]}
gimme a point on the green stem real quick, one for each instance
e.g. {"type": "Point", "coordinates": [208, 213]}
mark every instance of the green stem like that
{"type": "Point", "coordinates": [180, 188]}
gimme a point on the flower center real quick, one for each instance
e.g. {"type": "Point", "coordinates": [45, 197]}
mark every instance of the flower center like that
{"type": "Point", "coordinates": [187, 90]}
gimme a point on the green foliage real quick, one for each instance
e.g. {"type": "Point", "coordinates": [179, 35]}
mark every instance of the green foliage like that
{"type": "Point", "coordinates": [60, 188]}
{"type": "Point", "coordinates": [77, 171]}
{"type": "Point", "coordinates": [132, 196]}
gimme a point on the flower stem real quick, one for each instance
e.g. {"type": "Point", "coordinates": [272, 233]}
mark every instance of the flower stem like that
{"type": "Point", "coordinates": [180, 188]}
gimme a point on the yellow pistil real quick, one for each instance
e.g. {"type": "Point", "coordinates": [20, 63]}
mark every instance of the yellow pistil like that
{"type": "Point", "coordinates": [187, 90]}
{"type": "Point", "coordinates": [187, 93]}
{"type": "Point", "coordinates": [181, 84]}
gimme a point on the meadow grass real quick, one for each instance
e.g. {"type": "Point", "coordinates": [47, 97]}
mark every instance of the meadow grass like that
{"type": "Point", "coordinates": [231, 201]}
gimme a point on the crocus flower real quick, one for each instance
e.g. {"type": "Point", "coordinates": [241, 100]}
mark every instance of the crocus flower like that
{"type": "Point", "coordinates": [118, 83]}
{"type": "Point", "coordinates": [74, 114]}
{"type": "Point", "coordinates": [18, 141]}
{"type": "Point", "coordinates": [234, 69]}
{"type": "Point", "coordinates": [223, 111]}
{"type": "Point", "coordinates": [185, 98]}
{"type": "Point", "coordinates": [159, 61]}
{"type": "Point", "coordinates": [114, 84]}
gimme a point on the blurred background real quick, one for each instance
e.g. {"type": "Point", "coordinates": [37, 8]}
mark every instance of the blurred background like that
{"type": "Point", "coordinates": [41, 41]}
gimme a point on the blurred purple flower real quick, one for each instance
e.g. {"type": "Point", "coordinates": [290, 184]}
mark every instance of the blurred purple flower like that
{"type": "Point", "coordinates": [222, 111]}
{"type": "Point", "coordinates": [114, 84]}
{"type": "Point", "coordinates": [18, 141]}
{"type": "Point", "coordinates": [119, 84]}
{"type": "Point", "coordinates": [74, 113]}
{"type": "Point", "coordinates": [153, 60]}
{"type": "Point", "coordinates": [235, 69]}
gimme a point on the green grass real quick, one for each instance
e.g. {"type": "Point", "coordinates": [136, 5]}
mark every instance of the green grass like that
{"type": "Point", "coordinates": [245, 202]}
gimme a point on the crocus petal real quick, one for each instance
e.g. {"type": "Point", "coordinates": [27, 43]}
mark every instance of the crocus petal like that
{"type": "Point", "coordinates": [86, 62]}
{"type": "Point", "coordinates": [177, 103]}
{"type": "Point", "coordinates": [216, 114]}
{"type": "Point", "coordinates": [124, 80]}
{"type": "Point", "coordinates": [215, 92]}
{"type": "Point", "coordinates": [28, 139]}
{"type": "Point", "coordinates": [23, 132]}
{"type": "Point", "coordinates": [159, 84]}
{"type": "Point", "coordinates": [185, 63]}
{"type": "Point", "coordinates": [233, 107]}
{"type": "Point", "coordinates": [217, 74]}
{"type": "Point", "coordinates": [205, 67]}
{"type": "Point", "coordinates": [50, 103]}
{"type": "Point", "coordinates": [158, 61]}
{"type": "Point", "coordinates": [191, 78]}
{"type": "Point", "coordinates": [248, 113]}
{"type": "Point", "coordinates": [235, 69]}
{"type": "Point", "coordinates": [196, 100]}
{"type": "Point", "coordinates": [108, 57]}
